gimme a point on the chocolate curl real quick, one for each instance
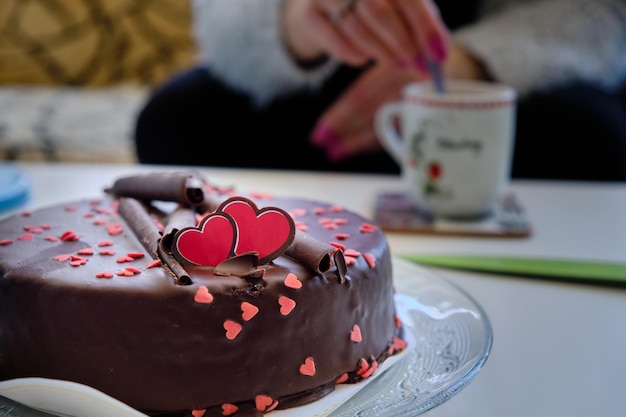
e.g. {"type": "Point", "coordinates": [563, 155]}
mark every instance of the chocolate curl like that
{"type": "Point", "coordinates": [180, 187]}
{"type": "Point", "coordinates": [318, 256]}
{"type": "Point", "coordinates": [180, 218]}
{"type": "Point", "coordinates": [146, 230]}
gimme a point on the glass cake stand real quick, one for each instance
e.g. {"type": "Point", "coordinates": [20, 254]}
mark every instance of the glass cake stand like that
{"type": "Point", "coordinates": [452, 339]}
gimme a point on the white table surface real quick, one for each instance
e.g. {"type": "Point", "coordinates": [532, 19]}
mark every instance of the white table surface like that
{"type": "Point", "coordinates": [559, 348]}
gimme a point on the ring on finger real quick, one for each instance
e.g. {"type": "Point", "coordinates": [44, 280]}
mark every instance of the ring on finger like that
{"type": "Point", "coordinates": [346, 7]}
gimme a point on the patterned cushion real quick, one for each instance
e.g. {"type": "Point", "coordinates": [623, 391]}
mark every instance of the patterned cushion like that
{"type": "Point", "coordinates": [93, 42]}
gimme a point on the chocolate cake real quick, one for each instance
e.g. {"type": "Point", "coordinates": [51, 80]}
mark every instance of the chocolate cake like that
{"type": "Point", "coordinates": [180, 298]}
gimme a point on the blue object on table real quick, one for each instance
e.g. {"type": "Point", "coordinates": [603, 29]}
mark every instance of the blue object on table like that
{"type": "Point", "coordinates": [14, 187]}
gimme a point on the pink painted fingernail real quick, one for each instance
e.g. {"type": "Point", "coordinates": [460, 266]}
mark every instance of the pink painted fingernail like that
{"type": "Point", "coordinates": [336, 152]}
{"type": "Point", "coordinates": [420, 63]}
{"type": "Point", "coordinates": [324, 135]}
{"type": "Point", "coordinates": [437, 48]}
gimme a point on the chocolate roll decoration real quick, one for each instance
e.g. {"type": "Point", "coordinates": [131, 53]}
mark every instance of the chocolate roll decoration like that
{"type": "Point", "coordinates": [183, 188]}
{"type": "Point", "coordinates": [180, 218]}
{"type": "Point", "coordinates": [317, 255]}
{"type": "Point", "coordinates": [148, 233]}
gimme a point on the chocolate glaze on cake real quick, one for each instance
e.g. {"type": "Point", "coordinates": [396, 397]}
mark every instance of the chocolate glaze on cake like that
{"type": "Point", "coordinates": [83, 299]}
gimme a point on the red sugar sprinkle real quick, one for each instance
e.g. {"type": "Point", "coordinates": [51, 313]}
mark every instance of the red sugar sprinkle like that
{"type": "Point", "coordinates": [5, 242]}
{"type": "Point", "coordinates": [341, 221]}
{"type": "Point", "coordinates": [302, 227]}
{"type": "Point", "coordinates": [350, 260]}
{"type": "Point", "coordinates": [286, 305]}
{"type": "Point", "coordinates": [308, 367]}
{"type": "Point", "coordinates": [26, 236]}
{"type": "Point", "coordinates": [123, 259]}
{"type": "Point", "coordinates": [85, 251]}
{"type": "Point", "coordinates": [33, 229]}
{"type": "Point", "coordinates": [336, 209]}
{"type": "Point", "coordinates": [52, 238]}
{"type": "Point", "coordinates": [292, 281]}
{"type": "Point", "coordinates": [25, 213]}
{"type": "Point", "coordinates": [265, 403]}
{"type": "Point", "coordinates": [108, 252]}
{"type": "Point", "coordinates": [78, 262]}
{"type": "Point", "coordinates": [370, 371]}
{"type": "Point", "coordinates": [299, 212]}
{"type": "Point", "coordinates": [330, 226]}
{"type": "Point", "coordinates": [341, 236]}
{"type": "Point", "coordinates": [200, 413]}
{"type": "Point", "coordinates": [248, 311]}
{"type": "Point", "coordinates": [89, 215]}
{"type": "Point", "coordinates": [99, 222]}
{"type": "Point", "coordinates": [338, 245]}
{"type": "Point", "coordinates": [370, 259]}
{"type": "Point", "coordinates": [45, 226]}
{"type": "Point", "coordinates": [105, 243]}
{"type": "Point", "coordinates": [325, 220]}
{"type": "Point", "coordinates": [154, 264]}
{"type": "Point", "coordinates": [229, 409]}
{"type": "Point", "coordinates": [355, 334]}
{"type": "Point", "coordinates": [232, 329]}
{"type": "Point", "coordinates": [352, 252]}
{"type": "Point", "coordinates": [77, 258]}
{"type": "Point", "coordinates": [114, 229]}
{"type": "Point", "coordinates": [69, 236]}
{"type": "Point", "coordinates": [136, 255]}
{"type": "Point", "coordinates": [70, 208]}
{"type": "Point", "coordinates": [203, 295]}
{"type": "Point", "coordinates": [133, 270]}
{"type": "Point", "coordinates": [367, 228]}
{"type": "Point", "coordinates": [124, 273]}
{"type": "Point", "coordinates": [343, 378]}
{"type": "Point", "coordinates": [104, 275]}
{"type": "Point", "coordinates": [319, 210]}
{"type": "Point", "coordinates": [398, 321]}
{"type": "Point", "coordinates": [62, 258]}
{"type": "Point", "coordinates": [363, 366]}
{"type": "Point", "coordinates": [94, 202]}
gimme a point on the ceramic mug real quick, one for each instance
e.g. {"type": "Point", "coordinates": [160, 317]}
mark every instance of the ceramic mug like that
{"type": "Point", "coordinates": [454, 148]}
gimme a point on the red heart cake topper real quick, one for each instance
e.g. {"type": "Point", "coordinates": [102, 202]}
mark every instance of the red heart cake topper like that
{"type": "Point", "coordinates": [237, 227]}
{"type": "Point", "coordinates": [212, 242]}
{"type": "Point", "coordinates": [268, 231]}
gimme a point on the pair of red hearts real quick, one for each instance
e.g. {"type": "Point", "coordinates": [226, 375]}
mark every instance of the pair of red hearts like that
{"type": "Point", "coordinates": [238, 226]}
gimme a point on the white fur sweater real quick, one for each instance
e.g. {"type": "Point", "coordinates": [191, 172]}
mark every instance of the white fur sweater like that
{"type": "Point", "coordinates": [529, 44]}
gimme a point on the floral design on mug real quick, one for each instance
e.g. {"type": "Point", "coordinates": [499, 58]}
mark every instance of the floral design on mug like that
{"type": "Point", "coordinates": [434, 171]}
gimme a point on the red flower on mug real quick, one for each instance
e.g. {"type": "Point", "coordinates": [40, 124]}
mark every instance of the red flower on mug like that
{"type": "Point", "coordinates": [435, 170]}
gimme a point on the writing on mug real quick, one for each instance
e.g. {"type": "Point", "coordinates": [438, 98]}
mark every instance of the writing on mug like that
{"type": "Point", "coordinates": [469, 144]}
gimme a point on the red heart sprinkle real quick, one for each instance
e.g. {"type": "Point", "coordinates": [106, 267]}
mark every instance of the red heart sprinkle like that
{"type": "Point", "coordinates": [292, 281]}
{"type": "Point", "coordinates": [198, 413]}
{"type": "Point", "coordinates": [232, 329]}
{"type": "Point", "coordinates": [229, 409]}
{"type": "Point", "coordinates": [203, 295]}
{"type": "Point", "coordinates": [248, 310]}
{"type": "Point", "coordinates": [355, 334]}
{"type": "Point", "coordinates": [262, 402]}
{"type": "Point", "coordinates": [308, 367]}
{"type": "Point", "coordinates": [286, 305]}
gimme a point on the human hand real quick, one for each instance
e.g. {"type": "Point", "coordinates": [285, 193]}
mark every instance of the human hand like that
{"type": "Point", "coordinates": [347, 128]}
{"type": "Point", "coordinates": [391, 32]}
